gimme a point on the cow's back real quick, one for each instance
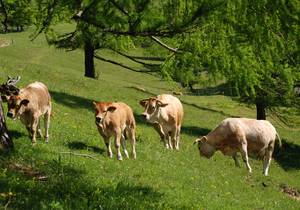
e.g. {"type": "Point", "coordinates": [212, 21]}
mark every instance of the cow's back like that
{"type": "Point", "coordinates": [38, 95]}
{"type": "Point", "coordinates": [259, 133]}
{"type": "Point", "coordinates": [123, 114]}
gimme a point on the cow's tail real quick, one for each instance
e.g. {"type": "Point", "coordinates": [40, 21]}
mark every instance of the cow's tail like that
{"type": "Point", "coordinates": [279, 140]}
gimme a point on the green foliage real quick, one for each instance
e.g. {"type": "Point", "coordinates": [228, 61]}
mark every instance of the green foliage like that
{"type": "Point", "coordinates": [19, 13]}
{"type": "Point", "coordinates": [253, 45]}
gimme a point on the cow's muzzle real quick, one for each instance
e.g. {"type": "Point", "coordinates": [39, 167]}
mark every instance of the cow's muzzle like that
{"type": "Point", "coordinates": [10, 115]}
{"type": "Point", "coordinates": [98, 119]}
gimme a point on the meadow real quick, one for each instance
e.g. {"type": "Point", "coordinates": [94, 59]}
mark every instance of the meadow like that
{"type": "Point", "coordinates": [55, 176]}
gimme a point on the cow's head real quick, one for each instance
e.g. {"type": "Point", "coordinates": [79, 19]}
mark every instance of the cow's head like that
{"type": "Point", "coordinates": [9, 88]}
{"type": "Point", "coordinates": [152, 108]}
{"type": "Point", "coordinates": [101, 110]}
{"type": "Point", "coordinates": [205, 149]}
{"type": "Point", "coordinates": [16, 106]}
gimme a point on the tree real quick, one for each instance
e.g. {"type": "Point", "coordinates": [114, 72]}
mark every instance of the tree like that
{"type": "Point", "coordinates": [3, 11]}
{"type": "Point", "coordinates": [117, 21]}
{"type": "Point", "coordinates": [253, 45]}
{"type": "Point", "coordinates": [16, 14]}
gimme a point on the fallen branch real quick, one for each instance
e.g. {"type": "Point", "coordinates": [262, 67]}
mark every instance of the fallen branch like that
{"type": "Point", "coordinates": [79, 154]}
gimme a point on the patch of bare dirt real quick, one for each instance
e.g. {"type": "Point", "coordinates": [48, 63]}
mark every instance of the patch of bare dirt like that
{"type": "Point", "coordinates": [5, 43]}
{"type": "Point", "coordinates": [27, 171]}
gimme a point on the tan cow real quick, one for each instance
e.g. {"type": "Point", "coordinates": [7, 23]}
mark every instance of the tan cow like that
{"type": "Point", "coordinates": [166, 113]}
{"type": "Point", "coordinates": [29, 105]}
{"type": "Point", "coordinates": [241, 135]}
{"type": "Point", "coordinates": [116, 119]}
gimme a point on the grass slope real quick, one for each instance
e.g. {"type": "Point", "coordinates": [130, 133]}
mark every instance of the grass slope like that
{"type": "Point", "coordinates": [158, 179]}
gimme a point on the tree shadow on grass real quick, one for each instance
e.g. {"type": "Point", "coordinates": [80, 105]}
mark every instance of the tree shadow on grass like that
{"type": "Point", "coordinates": [75, 102]}
{"type": "Point", "coordinates": [68, 188]}
{"type": "Point", "coordinates": [78, 145]}
{"type": "Point", "coordinates": [288, 156]}
{"type": "Point", "coordinates": [194, 131]}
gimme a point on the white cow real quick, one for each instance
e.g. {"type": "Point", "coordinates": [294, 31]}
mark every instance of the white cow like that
{"type": "Point", "coordinates": [242, 135]}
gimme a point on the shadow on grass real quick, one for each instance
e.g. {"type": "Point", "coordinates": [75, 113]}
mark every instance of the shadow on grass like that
{"type": "Point", "coordinates": [222, 89]}
{"type": "Point", "coordinates": [83, 146]}
{"type": "Point", "coordinates": [17, 134]}
{"type": "Point", "coordinates": [69, 188]}
{"type": "Point", "coordinates": [195, 131]}
{"type": "Point", "coordinates": [72, 101]}
{"type": "Point", "coordinates": [288, 156]}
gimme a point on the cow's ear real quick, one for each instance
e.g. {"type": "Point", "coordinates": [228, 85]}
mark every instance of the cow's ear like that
{"type": "Point", "coordinates": [197, 140]}
{"type": "Point", "coordinates": [24, 102]}
{"type": "Point", "coordinates": [201, 139]}
{"type": "Point", "coordinates": [161, 104]}
{"type": "Point", "coordinates": [111, 109]}
{"type": "Point", "coordinates": [143, 102]}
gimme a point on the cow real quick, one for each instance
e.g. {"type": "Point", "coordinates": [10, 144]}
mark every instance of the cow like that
{"type": "Point", "coordinates": [116, 119]}
{"type": "Point", "coordinates": [29, 105]}
{"type": "Point", "coordinates": [242, 135]}
{"type": "Point", "coordinates": [165, 112]}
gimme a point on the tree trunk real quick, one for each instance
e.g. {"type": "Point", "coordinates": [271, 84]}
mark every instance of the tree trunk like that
{"type": "Point", "coordinates": [5, 139]}
{"type": "Point", "coordinates": [260, 110]}
{"type": "Point", "coordinates": [5, 19]}
{"type": "Point", "coordinates": [89, 60]}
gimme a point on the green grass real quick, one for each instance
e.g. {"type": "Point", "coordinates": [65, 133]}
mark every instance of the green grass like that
{"type": "Point", "coordinates": [158, 179]}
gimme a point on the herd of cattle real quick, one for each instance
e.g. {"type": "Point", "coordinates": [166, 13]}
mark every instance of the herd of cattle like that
{"type": "Point", "coordinates": [164, 112]}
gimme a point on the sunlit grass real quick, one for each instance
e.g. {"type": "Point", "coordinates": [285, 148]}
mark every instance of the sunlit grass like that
{"type": "Point", "coordinates": [158, 179]}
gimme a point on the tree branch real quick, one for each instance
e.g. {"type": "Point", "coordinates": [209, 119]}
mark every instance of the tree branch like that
{"type": "Point", "coordinates": [144, 33]}
{"type": "Point", "coordinates": [122, 65]}
{"type": "Point", "coordinates": [119, 8]}
{"type": "Point", "coordinates": [175, 50]}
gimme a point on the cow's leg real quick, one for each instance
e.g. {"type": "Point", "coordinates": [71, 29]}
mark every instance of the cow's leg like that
{"type": "Point", "coordinates": [34, 126]}
{"type": "Point", "coordinates": [177, 137]}
{"type": "Point", "coordinates": [39, 129]}
{"type": "Point", "coordinates": [236, 161]}
{"type": "Point", "coordinates": [244, 153]}
{"type": "Point", "coordinates": [107, 144]}
{"type": "Point", "coordinates": [131, 133]}
{"type": "Point", "coordinates": [47, 124]}
{"type": "Point", "coordinates": [173, 142]}
{"type": "Point", "coordinates": [267, 159]}
{"type": "Point", "coordinates": [118, 136]}
{"type": "Point", "coordinates": [164, 137]}
{"type": "Point", "coordinates": [123, 142]}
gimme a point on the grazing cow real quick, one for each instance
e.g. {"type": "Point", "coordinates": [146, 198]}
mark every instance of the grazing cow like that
{"type": "Point", "coordinates": [115, 119]}
{"type": "Point", "coordinates": [241, 135]}
{"type": "Point", "coordinates": [166, 113]}
{"type": "Point", "coordinates": [28, 105]}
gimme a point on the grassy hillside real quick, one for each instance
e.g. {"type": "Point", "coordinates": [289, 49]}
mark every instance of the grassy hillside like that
{"type": "Point", "coordinates": [158, 179]}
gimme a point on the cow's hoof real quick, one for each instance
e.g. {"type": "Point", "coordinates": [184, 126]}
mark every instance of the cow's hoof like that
{"type": "Point", "coordinates": [120, 158]}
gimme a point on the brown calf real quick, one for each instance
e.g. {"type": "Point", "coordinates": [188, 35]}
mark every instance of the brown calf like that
{"type": "Point", "coordinates": [28, 105]}
{"type": "Point", "coordinates": [115, 119]}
